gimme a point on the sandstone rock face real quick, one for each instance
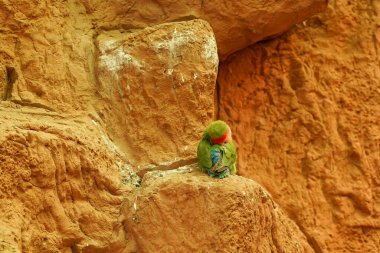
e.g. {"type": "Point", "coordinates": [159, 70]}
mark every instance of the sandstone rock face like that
{"type": "Point", "coordinates": [46, 55]}
{"type": "Point", "coordinates": [305, 112]}
{"type": "Point", "coordinates": [236, 24]}
{"type": "Point", "coordinates": [47, 48]}
{"type": "Point", "coordinates": [64, 186]}
{"type": "Point", "coordinates": [61, 185]}
{"type": "Point", "coordinates": [173, 208]}
{"type": "Point", "coordinates": [157, 90]}
{"type": "Point", "coordinates": [90, 95]}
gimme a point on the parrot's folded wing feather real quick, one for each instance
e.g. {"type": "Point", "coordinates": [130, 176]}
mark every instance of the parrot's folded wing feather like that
{"type": "Point", "coordinates": [215, 155]}
{"type": "Point", "coordinates": [217, 160]}
{"type": "Point", "coordinates": [203, 153]}
{"type": "Point", "coordinates": [229, 153]}
{"type": "Point", "coordinates": [229, 157]}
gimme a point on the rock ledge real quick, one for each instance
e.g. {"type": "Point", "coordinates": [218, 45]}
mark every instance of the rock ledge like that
{"type": "Point", "coordinates": [184, 210]}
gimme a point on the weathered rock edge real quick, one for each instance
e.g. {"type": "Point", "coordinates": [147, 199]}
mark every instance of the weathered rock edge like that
{"type": "Point", "coordinates": [237, 24]}
{"type": "Point", "coordinates": [184, 210]}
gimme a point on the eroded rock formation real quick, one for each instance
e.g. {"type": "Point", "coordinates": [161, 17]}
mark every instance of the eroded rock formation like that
{"type": "Point", "coordinates": [156, 88]}
{"type": "Point", "coordinates": [306, 115]}
{"type": "Point", "coordinates": [74, 130]}
{"type": "Point", "coordinates": [236, 24]}
{"type": "Point", "coordinates": [185, 210]}
{"type": "Point", "coordinates": [62, 184]}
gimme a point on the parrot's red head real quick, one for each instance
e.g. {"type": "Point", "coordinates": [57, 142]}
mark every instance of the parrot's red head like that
{"type": "Point", "coordinates": [226, 137]}
{"type": "Point", "coordinates": [219, 132]}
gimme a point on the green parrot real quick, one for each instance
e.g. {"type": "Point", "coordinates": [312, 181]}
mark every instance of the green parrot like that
{"type": "Point", "coordinates": [216, 151]}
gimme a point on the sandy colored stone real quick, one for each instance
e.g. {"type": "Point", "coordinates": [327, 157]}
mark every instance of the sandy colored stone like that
{"type": "Point", "coordinates": [184, 211]}
{"type": "Point", "coordinates": [305, 112]}
{"type": "Point", "coordinates": [62, 185]}
{"type": "Point", "coordinates": [157, 90]}
{"type": "Point", "coordinates": [236, 24]}
{"type": "Point", "coordinates": [50, 46]}
{"type": "Point", "coordinates": [304, 109]}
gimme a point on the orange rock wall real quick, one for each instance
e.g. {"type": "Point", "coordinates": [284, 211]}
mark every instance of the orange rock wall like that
{"type": "Point", "coordinates": [61, 185]}
{"type": "Point", "coordinates": [305, 110]}
{"type": "Point", "coordinates": [185, 210]}
{"type": "Point", "coordinates": [156, 90]}
{"type": "Point", "coordinates": [49, 45]}
{"type": "Point", "coordinates": [236, 24]}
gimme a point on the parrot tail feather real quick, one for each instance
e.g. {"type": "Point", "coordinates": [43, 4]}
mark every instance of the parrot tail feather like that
{"type": "Point", "coordinates": [219, 173]}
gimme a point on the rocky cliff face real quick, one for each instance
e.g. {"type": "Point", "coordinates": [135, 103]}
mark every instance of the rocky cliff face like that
{"type": "Point", "coordinates": [185, 210]}
{"type": "Point", "coordinates": [149, 80]}
{"type": "Point", "coordinates": [95, 96]}
{"type": "Point", "coordinates": [236, 24]}
{"type": "Point", "coordinates": [306, 115]}
{"type": "Point", "coordinates": [60, 184]}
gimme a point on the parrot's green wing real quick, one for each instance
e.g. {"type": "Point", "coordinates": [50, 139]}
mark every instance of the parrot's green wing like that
{"type": "Point", "coordinates": [229, 157]}
{"type": "Point", "coordinates": [217, 160]}
{"type": "Point", "coordinates": [203, 154]}
{"type": "Point", "coordinates": [223, 160]}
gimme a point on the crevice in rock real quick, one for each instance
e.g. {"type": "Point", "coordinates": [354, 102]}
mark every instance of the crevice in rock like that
{"type": "Point", "coordinates": [185, 18]}
{"type": "Point", "coordinates": [132, 5]}
{"type": "Point", "coordinates": [311, 240]}
{"type": "Point", "coordinates": [122, 27]}
{"type": "Point", "coordinates": [74, 249]}
{"type": "Point", "coordinates": [35, 105]}
{"type": "Point", "coordinates": [167, 166]}
{"type": "Point", "coordinates": [11, 77]}
{"type": "Point", "coordinates": [127, 26]}
{"type": "Point", "coordinates": [217, 100]}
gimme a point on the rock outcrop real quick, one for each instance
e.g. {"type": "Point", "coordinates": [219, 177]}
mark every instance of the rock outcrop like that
{"type": "Point", "coordinates": [236, 24]}
{"type": "Point", "coordinates": [46, 55]}
{"type": "Point", "coordinates": [66, 188]}
{"type": "Point", "coordinates": [306, 115]}
{"type": "Point", "coordinates": [185, 210]}
{"type": "Point", "coordinates": [157, 90]}
{"type": "Point", "coordinates": [93, 92]}
{"type": "Point", "coordinates": [62, 184]}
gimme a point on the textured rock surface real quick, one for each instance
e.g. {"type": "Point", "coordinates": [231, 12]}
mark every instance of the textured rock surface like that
{"type": "Point", "coordinates": [306, 115]}
{"type": "Point", "coordinates": [157, 89]}
{"type": "Point", "coordinates": [63, 181]}
{"type": "Point", "coordinates": [236, 24]}
{"type": "Point", "coordinates": [64, 185]}
{"type": "Point", "coordinates": [47, 50]}
{"type": "Point", "coordinates": [50, 44]}
{"type": "Point", "coordinates": [173, 208]}
{"type": "Point", "coordinates": [61, 184]}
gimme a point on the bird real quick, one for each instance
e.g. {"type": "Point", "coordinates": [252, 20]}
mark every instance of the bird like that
{"type": "Point", "coordinates": [216, 151]}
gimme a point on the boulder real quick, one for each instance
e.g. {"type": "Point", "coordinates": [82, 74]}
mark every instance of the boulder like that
{"type": "Point", "coordinates": [157, 90]}
{"type": "Point", "coordinates": [305, 112]}
{"type": "Point", "coordinates": [62, 184]}
{"type": "Point", "coordinates": [237, 24]}
{"type": "Point", "coordinates": [185, 210]}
